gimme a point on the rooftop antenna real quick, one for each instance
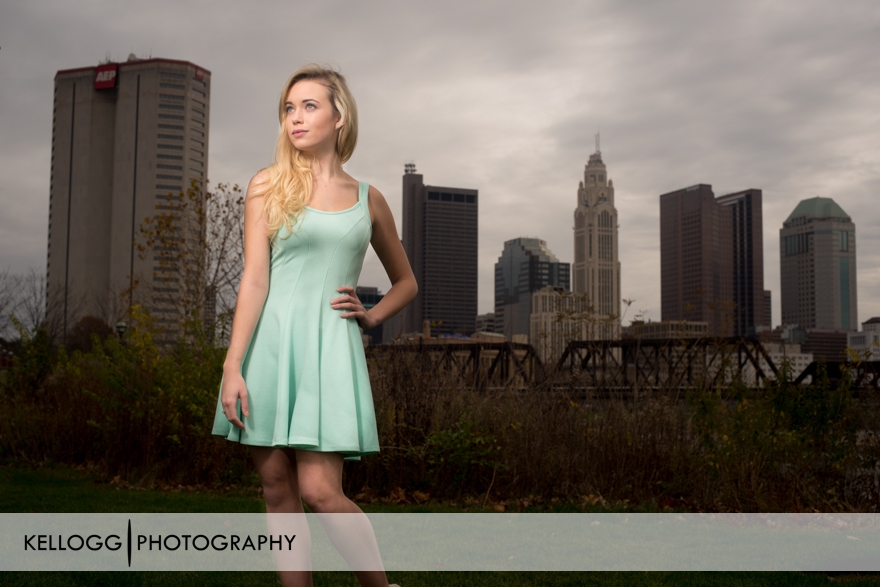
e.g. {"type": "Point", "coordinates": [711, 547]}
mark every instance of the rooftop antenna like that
{"type": "Point", "coordinates": [409, 168]}
{"type": "Point", "coordinates": [597, 143]}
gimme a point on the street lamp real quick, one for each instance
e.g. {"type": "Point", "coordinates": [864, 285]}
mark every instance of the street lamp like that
{"type": "Point", "coordinates": [121, 327]}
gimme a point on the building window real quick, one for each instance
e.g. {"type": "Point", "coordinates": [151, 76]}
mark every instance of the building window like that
{"type": "Point", "coordinates": [796, 244]}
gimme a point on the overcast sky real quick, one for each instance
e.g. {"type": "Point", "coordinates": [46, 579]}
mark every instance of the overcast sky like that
{"type": "Point", "coordinates": [503, 97]}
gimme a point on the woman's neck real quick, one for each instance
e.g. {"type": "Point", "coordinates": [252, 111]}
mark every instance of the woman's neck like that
{"type": "Point", "coordinates": [326, 167]}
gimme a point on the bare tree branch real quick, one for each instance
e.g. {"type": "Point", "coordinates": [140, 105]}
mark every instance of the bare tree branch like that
{"type": "Point", "coordinates": [197, 240]}
{"type": "Point", "coordinates": [9, 295]}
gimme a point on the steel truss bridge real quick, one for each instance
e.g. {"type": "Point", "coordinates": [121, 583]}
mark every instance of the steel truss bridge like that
{"type": "Point", "coordinates": [657, 364]}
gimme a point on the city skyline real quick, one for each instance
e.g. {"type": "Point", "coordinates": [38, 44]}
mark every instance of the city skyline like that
{"type": "Point", "coordinates": [738, 96]}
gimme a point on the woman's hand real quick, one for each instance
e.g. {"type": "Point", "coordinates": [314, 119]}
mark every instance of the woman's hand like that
{"type": "Point", "coordinates": [234, 389]}
{"type": "Point", "coordinates": [351, 302]}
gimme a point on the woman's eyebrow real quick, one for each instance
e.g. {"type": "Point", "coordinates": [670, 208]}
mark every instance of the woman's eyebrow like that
{"type": "Point", "coordinates": [289, 103]}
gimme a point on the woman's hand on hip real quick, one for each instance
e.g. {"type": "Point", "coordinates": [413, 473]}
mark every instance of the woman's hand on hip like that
{"type": "Point", "coordinates": [350, 301]}
{"type": "Point", "coordinates": [233, 389]}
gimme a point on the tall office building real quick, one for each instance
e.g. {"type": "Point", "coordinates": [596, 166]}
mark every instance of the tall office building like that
{"type": "Point", "coordinates": [440, 239]}
{"type": "Point", "coordinates": [127, 138]}
{"type": "Point", "coordinates": [525, 265]}
{"type": "Point", "coordinates": [596, 267]}
{"type": "Point", "coordinates": [817, 249]}
{"type": "Point", "coordinates": [696, 259]}
{"type": "Point", "coordinates": [747, 248]}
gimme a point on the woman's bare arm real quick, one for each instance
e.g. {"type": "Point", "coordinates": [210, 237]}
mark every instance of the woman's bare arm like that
{"type": "Point", "coordinates": [254, 284]}
{"type": "Point", "coordinates": [252, 292]}
{"type": "Point", "coordinates": [390, 251]}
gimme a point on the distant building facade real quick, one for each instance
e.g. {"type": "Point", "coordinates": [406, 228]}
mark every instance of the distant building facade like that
{"type": "Point", "coordinates": [782, 355]}
{"type": "Point", "coordinates": [559, 316]}
{"type": "Point", "coordinates": [596, 269]}
{"type": "Point", "coordinates": [127, 138]}
{"type": "Point", "coordinates": [696, 259]}
{"type": "Point", "coordinates": [666, 330]}
{"type": "Point", "coordinates": [826, 344]}
{"type": "Point", "coordinates": [817, 249]}
{"type": "Point", "coordinates": [440, 240]}
{"type": "Point", "coordinates": [747, 257]}
{"type": "Point", "coordinates": [525, 265]}
{"type": "Point", "coordinates": [866, 344]}
{"type": "Point", "coordinates": [485, 322]}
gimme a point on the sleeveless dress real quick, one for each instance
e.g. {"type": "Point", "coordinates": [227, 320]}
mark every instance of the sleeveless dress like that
{"type": "Point", "coordinates": [305, 368]}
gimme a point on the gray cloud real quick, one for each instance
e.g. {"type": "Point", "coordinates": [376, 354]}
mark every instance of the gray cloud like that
{"type": "Point", "coordinates": [504, 98]}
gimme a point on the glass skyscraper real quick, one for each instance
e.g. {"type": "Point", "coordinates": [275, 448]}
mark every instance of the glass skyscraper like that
{"type": "Point", "coordinates": [525, 266]}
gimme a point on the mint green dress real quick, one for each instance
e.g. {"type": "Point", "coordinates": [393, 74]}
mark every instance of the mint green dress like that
{"type": "Point", "coordinates": [305, 369]}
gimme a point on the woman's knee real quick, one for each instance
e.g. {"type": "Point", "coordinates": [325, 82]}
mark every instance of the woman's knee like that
{"type": "Point", "coordinates": [319, 496]}
{"type": "Point", "coordinates": [277, 477]}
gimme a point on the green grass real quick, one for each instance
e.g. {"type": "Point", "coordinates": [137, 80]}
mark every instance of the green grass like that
{"type": "Point", "coordinates": [61, 489]}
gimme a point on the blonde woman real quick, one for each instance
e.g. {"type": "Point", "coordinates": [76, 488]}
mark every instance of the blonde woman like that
{"type": "Point", "coordinates": [295, 386]}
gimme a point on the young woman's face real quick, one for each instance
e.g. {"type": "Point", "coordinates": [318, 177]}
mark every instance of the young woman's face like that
{"type": "Point", "coordinates": [311, 121]}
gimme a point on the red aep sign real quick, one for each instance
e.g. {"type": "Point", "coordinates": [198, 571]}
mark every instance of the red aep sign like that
{"type": "Point", "coordinates": [105, 76]}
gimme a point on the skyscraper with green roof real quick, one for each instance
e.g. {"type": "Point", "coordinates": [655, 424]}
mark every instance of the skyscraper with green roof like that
{"type": "Point", "coordinates": [817, 249]}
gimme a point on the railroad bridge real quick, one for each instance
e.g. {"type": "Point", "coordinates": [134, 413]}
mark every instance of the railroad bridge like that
{"type": "Point", "coordinates": [617, 364]}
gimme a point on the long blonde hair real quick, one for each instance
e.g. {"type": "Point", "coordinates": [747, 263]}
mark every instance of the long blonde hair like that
{"type": "Point", "coordinates": [289, 184]}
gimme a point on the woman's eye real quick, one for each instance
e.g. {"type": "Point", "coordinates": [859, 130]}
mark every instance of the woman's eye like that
{"type": "Point", "coordinates": [289, 109]}
{"type": "Point", "coordinates": [310, 106]}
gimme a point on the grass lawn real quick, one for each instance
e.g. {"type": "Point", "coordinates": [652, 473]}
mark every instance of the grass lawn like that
{"type": "Point", "coordinates": [62, 489]}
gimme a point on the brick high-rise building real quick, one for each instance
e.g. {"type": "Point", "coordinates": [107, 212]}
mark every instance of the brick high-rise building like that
{"type": "Point", "coordinates": [817, 249]}
{"type": "Point", "coordinates": [124, 137]}
{"type": "Point", "coordinates": [696, 259]}
{"type": "Point", "coordinates": [440, 239]}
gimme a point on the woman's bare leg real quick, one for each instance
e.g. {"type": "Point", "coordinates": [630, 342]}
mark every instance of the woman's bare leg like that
{"type": "Point", "coordinates": [320, 481]}
{"type": "Point", "coordinates": [278, 472]}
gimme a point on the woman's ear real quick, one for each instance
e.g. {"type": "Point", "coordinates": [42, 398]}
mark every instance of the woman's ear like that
{"type": "Point", "coordinates": [340, 123]}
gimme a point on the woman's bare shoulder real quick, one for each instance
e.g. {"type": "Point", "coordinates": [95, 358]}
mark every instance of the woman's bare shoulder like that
{"type": "Point", "coordinates": [376, 196]}
{"type": "Point", "coordinates": [259, 182]}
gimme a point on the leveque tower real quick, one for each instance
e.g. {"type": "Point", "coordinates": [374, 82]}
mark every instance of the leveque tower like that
{"type": "Point", "coordinates": [596, 270]}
